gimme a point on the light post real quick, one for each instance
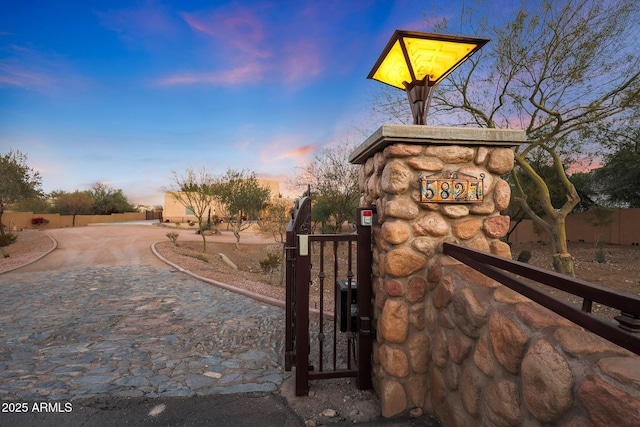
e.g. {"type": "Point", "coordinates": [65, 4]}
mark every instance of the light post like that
{"type": "Point", "coordinates": [417, 62]}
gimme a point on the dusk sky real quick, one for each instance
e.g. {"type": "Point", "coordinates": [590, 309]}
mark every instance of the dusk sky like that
{"type": "Point", "coordinates": [124, 92]}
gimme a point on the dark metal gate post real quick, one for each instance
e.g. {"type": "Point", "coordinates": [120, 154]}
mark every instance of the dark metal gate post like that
{"type": "Point", "coordinates": [365, 295]}
{"type": "Point", "coordinates": [297, 294]}
{"type": "Point", "coordinates": [290, 262]}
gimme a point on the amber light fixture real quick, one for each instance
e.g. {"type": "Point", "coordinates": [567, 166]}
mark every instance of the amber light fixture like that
{"type": "Point", "coordinates": [417, 62]}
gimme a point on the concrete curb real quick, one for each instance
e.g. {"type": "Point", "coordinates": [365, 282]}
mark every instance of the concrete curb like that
{"type": "Point", "coordinates": [244, 292]}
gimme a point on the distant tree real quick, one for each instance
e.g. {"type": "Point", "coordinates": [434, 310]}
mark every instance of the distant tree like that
{"type": "Point", "coordinates": [275, 218]}
{"type": "Point", "coordinates": [322, 211]}
{"type": "Point", "coordinates": [619, 177]}
{"type": "Point", "coordinates": [334, 184]}
{"type": "Point", "coordinates": [588, 189]}
{"type": "Point", "coordinates": [18, 181]}
{"type": "Point", "coordinates": [76, 203]}
{"type": "Point", "coordinates": [36, 204]}
{"type": "Point", "coordinates": [274, 221]}
{"type": "Point", "coordinates": [243, 198]}
{"type": "Point", "coordinates": [196, 191]}
{"type": "Point", "coordinates": [108, 200]}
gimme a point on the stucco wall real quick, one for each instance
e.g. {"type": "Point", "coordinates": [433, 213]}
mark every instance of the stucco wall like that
{"type": "Point", "coordinates": [624, 229]}
{"type": "Point", "coordinates": [173, 210]}
{"type": "Point", "coordinates": [23, 219]}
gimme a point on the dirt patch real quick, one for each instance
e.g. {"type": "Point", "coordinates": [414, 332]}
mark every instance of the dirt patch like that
{"type": "Point", "coordinates": [249, 274]}
{"type": "Point", "coordinates": [30, 245]}
{"type": "Point", "coordinates": [619, 272]}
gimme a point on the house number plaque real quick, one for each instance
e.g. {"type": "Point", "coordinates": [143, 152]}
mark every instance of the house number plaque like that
{"type": "Point", "coordinates": [451, 187]}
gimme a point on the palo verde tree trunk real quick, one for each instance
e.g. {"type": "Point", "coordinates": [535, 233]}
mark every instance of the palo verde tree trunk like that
{"type": "Point", "coordinates": [563, 261]}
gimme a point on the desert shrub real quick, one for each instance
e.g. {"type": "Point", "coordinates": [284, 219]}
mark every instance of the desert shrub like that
{"type": "Point", "coordinates": [173, 236]}
{"type": "Point", "coordinates": [198, 255]}
{"type": "Point", "coordinates": [524, 256]}
{"type": "Point", "coordinates": [270, 263]}
{"type": "Point", "coordinates": [6, 240]}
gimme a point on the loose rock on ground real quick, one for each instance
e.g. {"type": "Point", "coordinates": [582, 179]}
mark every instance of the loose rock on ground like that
{"type": "Point", "coordinates": [131, 332]}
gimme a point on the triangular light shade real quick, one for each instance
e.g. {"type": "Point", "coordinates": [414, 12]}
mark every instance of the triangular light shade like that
{"type": "Point", "coordinates": [412, 56]}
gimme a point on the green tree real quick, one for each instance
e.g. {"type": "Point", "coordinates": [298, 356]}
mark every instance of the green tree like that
{"type": "Point", "coordinates": [620, 174]}
{"type": "Point", "coordinates": [76, 203]}
{"type": "Point", "coordinates": [107, 200]}
{"type": "Point", "coordinates": [322, 211]}
{"type": "Point", "coordinates": [242, 198]}
{"type": "Point", "coordinates": [334, 184]}
{"type": "Point", "coordinates": [196, 191]}
{"type": "Point", "coordinates": [588, 189]}
{"type": "Point", "coordinates": [273, 222]}
{"type": "Point", "coordinates": [275, 218]}
{"type": "Point", "coordinates": [36, 204]}
{"type": "Point", "coordinates": [554, 69]}
{"type": "Point", "coordinates": [18, 181]}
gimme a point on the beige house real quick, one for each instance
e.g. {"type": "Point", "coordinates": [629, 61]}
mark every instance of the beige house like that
{"type": "Point", "coordinates": [173, 210]}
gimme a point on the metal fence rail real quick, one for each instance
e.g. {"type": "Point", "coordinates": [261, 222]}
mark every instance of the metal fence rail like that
{"type": "Point", "coordinates": [626, 334]}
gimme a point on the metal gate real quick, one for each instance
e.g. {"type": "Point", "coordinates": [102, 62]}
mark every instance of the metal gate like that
{"type": "Point", "coordinates": [328, 342]}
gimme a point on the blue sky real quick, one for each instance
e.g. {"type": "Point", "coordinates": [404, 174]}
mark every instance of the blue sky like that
{"type": "Point", "coordinates": [124, 92]}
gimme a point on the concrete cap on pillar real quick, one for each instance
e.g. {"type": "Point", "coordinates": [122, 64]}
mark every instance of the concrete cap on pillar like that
{"type": "Point", "coordinates": [424, 135]}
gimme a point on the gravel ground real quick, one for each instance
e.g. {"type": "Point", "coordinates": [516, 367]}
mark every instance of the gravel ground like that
{"type": "Point", "coordinates": [30, 246]}
{"type": "Point", "coordinates": [329, 402]}
{"type": "Point", "coordinates": [189, 256]}
{"type": "Point", "coordinates": [621, 271]}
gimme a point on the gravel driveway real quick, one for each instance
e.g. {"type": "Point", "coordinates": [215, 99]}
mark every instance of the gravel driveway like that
{"type": "Point", "coordinates": [102, 316]}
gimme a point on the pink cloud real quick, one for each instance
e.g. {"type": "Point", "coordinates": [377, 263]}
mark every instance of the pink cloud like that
{"type": "Point", "coordinates": [297, 152]}
{"type": "Point", "coordinates": [284, 148]}
{"type": "Point", "coordinates": [239, 45]}
{"type": "Point", "coordinates": [15, 75]}
{"type": "Point", "coordinates": [34, 70]}
{"type": "Point", "coordinates": [303, 61]}
{"type": "Point", "coordinates": [240, 32]}
{"type": "Point", "coordinates": [240, 36]}
{"type": "Point", "coordinates": [249, 72]}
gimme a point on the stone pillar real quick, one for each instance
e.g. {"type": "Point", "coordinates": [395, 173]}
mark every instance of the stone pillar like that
{"type": "Point", "coordinates": [409, 235]}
